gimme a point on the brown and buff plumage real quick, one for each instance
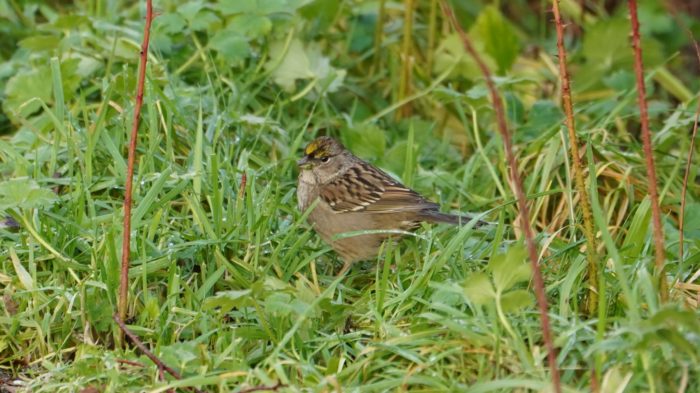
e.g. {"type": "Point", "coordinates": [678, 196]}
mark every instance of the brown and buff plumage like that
{"type": "Point", "coordinates": [353, 195]}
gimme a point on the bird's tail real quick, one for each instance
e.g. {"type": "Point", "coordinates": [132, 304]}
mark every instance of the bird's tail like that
{"type": "Point", "coordinates": [454, 219]}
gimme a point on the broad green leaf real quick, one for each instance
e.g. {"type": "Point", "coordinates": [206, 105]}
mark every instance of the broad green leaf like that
{"type": "Point", "coordinates": [274, 284]}
{"type": "Point", "coordinates": [450, 52]}
{"type": "Point", "coordinates": [361, 37]}
{"type": "Point", "coordinates": [24, 194]}
{"type": "Point", "coordinates": [448, 296]}
{"type": "Point", "coordinates": [231, 45]}
{"type": "Point", "coordinates": [66, 22]}
{"type": "Point", "coordinates": [229, 7]}
{"type": "Point", "coordinates": [171, 23]}
{"type": "Point", "coordinates": [395, 157]}
{"type": "Point", "coordinates": [40, 43]}
{"type": "Point", "coordinates": [510, 268]}
{"type": "Point", "coordinates": [606, 48]}
{"type": "Point", "coordinates": [276, 6]}
{"type": "Point", "coordinates": [620, 80]}
{"type": "Point", "coordinates": [654, 18]}
{"type": "Point", "coordinates": [205, 20]}
{"type": "Point", "coordinates": [321, 13]}
{"type": "Point", "coordinates": [497, 36]}
{"type": "Point", "coordinates": [543, 115]}
{"type": "Point", "coordinates": [190, 9]}
{"type": "Point", "coordinates": [477, 92]}
{"type": "Point", "coordinates": [293, 64]}
{"type": "Point", "coordinates": [250, 26]}
{"type": "Point", "coordinates": [26, 90]}
{"type": "Point", "coordinates": [227, 300]}
{"type": "Point", "coordinates": [606, 45]}
{"type": "Point", "coordinates": [259, 7]}
{"type": "Point", "coordinates": [365, 140]}
{"type": "Point", "coordinates": [478, 289]}
{"type": "Point", "coordinates": [22, 88]}
{"type": "Point", "coordinates": [180, 352]}
{"type": "Point", "coordinates": [301, 62]}
{"type": "Point", "coordinates": [279, 303]}
{"type": "Point", "coordinates": [516, 300]}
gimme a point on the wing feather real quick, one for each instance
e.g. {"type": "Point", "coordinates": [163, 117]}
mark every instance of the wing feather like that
{"type": "Point", "coordinates": [365, 188]}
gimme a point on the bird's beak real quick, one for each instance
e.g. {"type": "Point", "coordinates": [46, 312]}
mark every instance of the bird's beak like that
{"type": "Point", "coordinates": [304, 163]}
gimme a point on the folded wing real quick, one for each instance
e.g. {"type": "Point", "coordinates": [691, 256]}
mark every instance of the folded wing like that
{"type": "Point", "coordinates": [366, 188]}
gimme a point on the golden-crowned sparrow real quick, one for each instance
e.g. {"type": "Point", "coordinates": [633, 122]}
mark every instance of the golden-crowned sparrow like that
{"type": "Point", "coordinates": [355, 196]}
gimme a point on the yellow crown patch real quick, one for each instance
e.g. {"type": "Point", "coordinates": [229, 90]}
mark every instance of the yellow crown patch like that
{"type": "Point", "coordinates": [311, 148]}
{"type": "Point", "coordinates": [317, 149]}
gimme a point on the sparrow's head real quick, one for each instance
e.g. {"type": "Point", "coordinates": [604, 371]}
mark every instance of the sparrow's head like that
{"type": "Point", "coordinates": [325, 157]}
{"type": "Point", "coordinates": [320, 152]}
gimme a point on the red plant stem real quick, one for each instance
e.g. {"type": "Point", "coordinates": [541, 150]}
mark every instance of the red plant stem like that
{"type": "Point", "coordinates": [689, 161]}
{"type": "Point", "coordinates": [126, 241]}
{"type": "Point", "coordinates": [517, 186]}
{"type": "Point", "coordinates": [241, 189]}
{"type": "Point", "coordinates": [161, 365]}
{"type": "Point", "coordinates": [659, 249]}
{"type": "Point", "coordinates": [130, 363]}
{"type": "Point", "coordinates": [578, 167]}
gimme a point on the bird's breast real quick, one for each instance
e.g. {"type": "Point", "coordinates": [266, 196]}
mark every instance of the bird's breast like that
{"type": "Point", "coordinates": [307, 190]}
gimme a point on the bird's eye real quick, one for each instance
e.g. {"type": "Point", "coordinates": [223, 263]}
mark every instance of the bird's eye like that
{"type": "Point", "coordinates": [325, 159]}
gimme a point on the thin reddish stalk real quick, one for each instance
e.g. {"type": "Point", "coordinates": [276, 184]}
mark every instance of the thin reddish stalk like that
{"type": "Point", "coordinates": [126, 240]}
{"type": "Point", "coordinates": [577, 165]}
{"type": "Point", "coordinates": [134, 339]}
{"type": "Point", "coordinates": [517, 186]}
{"type": "Point", "coordinates": [659, 248]}
{"type": "Point", "coordinates": [241, 189]}
{"type": "Point", "coordinates": [595, 386]}
{"type": "Point", "coordinates": [130, 363]}
{"type": "Point", "coordinates": [681, 217]}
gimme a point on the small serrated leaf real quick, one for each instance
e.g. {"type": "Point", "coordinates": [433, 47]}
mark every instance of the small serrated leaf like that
{"type": "Point", "coordinates": [510, 269]}
{"type": "Point", "coordinates": [25, 91]}
{"type": "Point", "coordinates": [279, 303]}
{"type": "Point", "coordinates": [230, 7]}
{"type": "Point", "coordinates": [300, 62]}
{"type": "Point", "coordinates": [227, 300]}
{"type": "Point", "coordinates": [24, 194]}
{"type": "Point", "coordinates": [231, 45]}
{"type": "Point", "coordinates": [250, 26]}
{"type": "Point", "coordinates": [365, 140]}
{"type": "Point", "coordinates": [171, 23]}
{"type": "Point", "coordinates": [293, 64]}
{"type": "Point", "coordinates": [478, 289]}
{"type": "Point", "coordinates": [515, 300]}
{"type": "Point", "coordinates": [40, 43]}
{"type": "Point", "coordinates": [498, 37]}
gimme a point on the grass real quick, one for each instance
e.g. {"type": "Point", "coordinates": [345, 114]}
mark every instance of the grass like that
{"type": "Point", "coordinates": [230, 286]}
